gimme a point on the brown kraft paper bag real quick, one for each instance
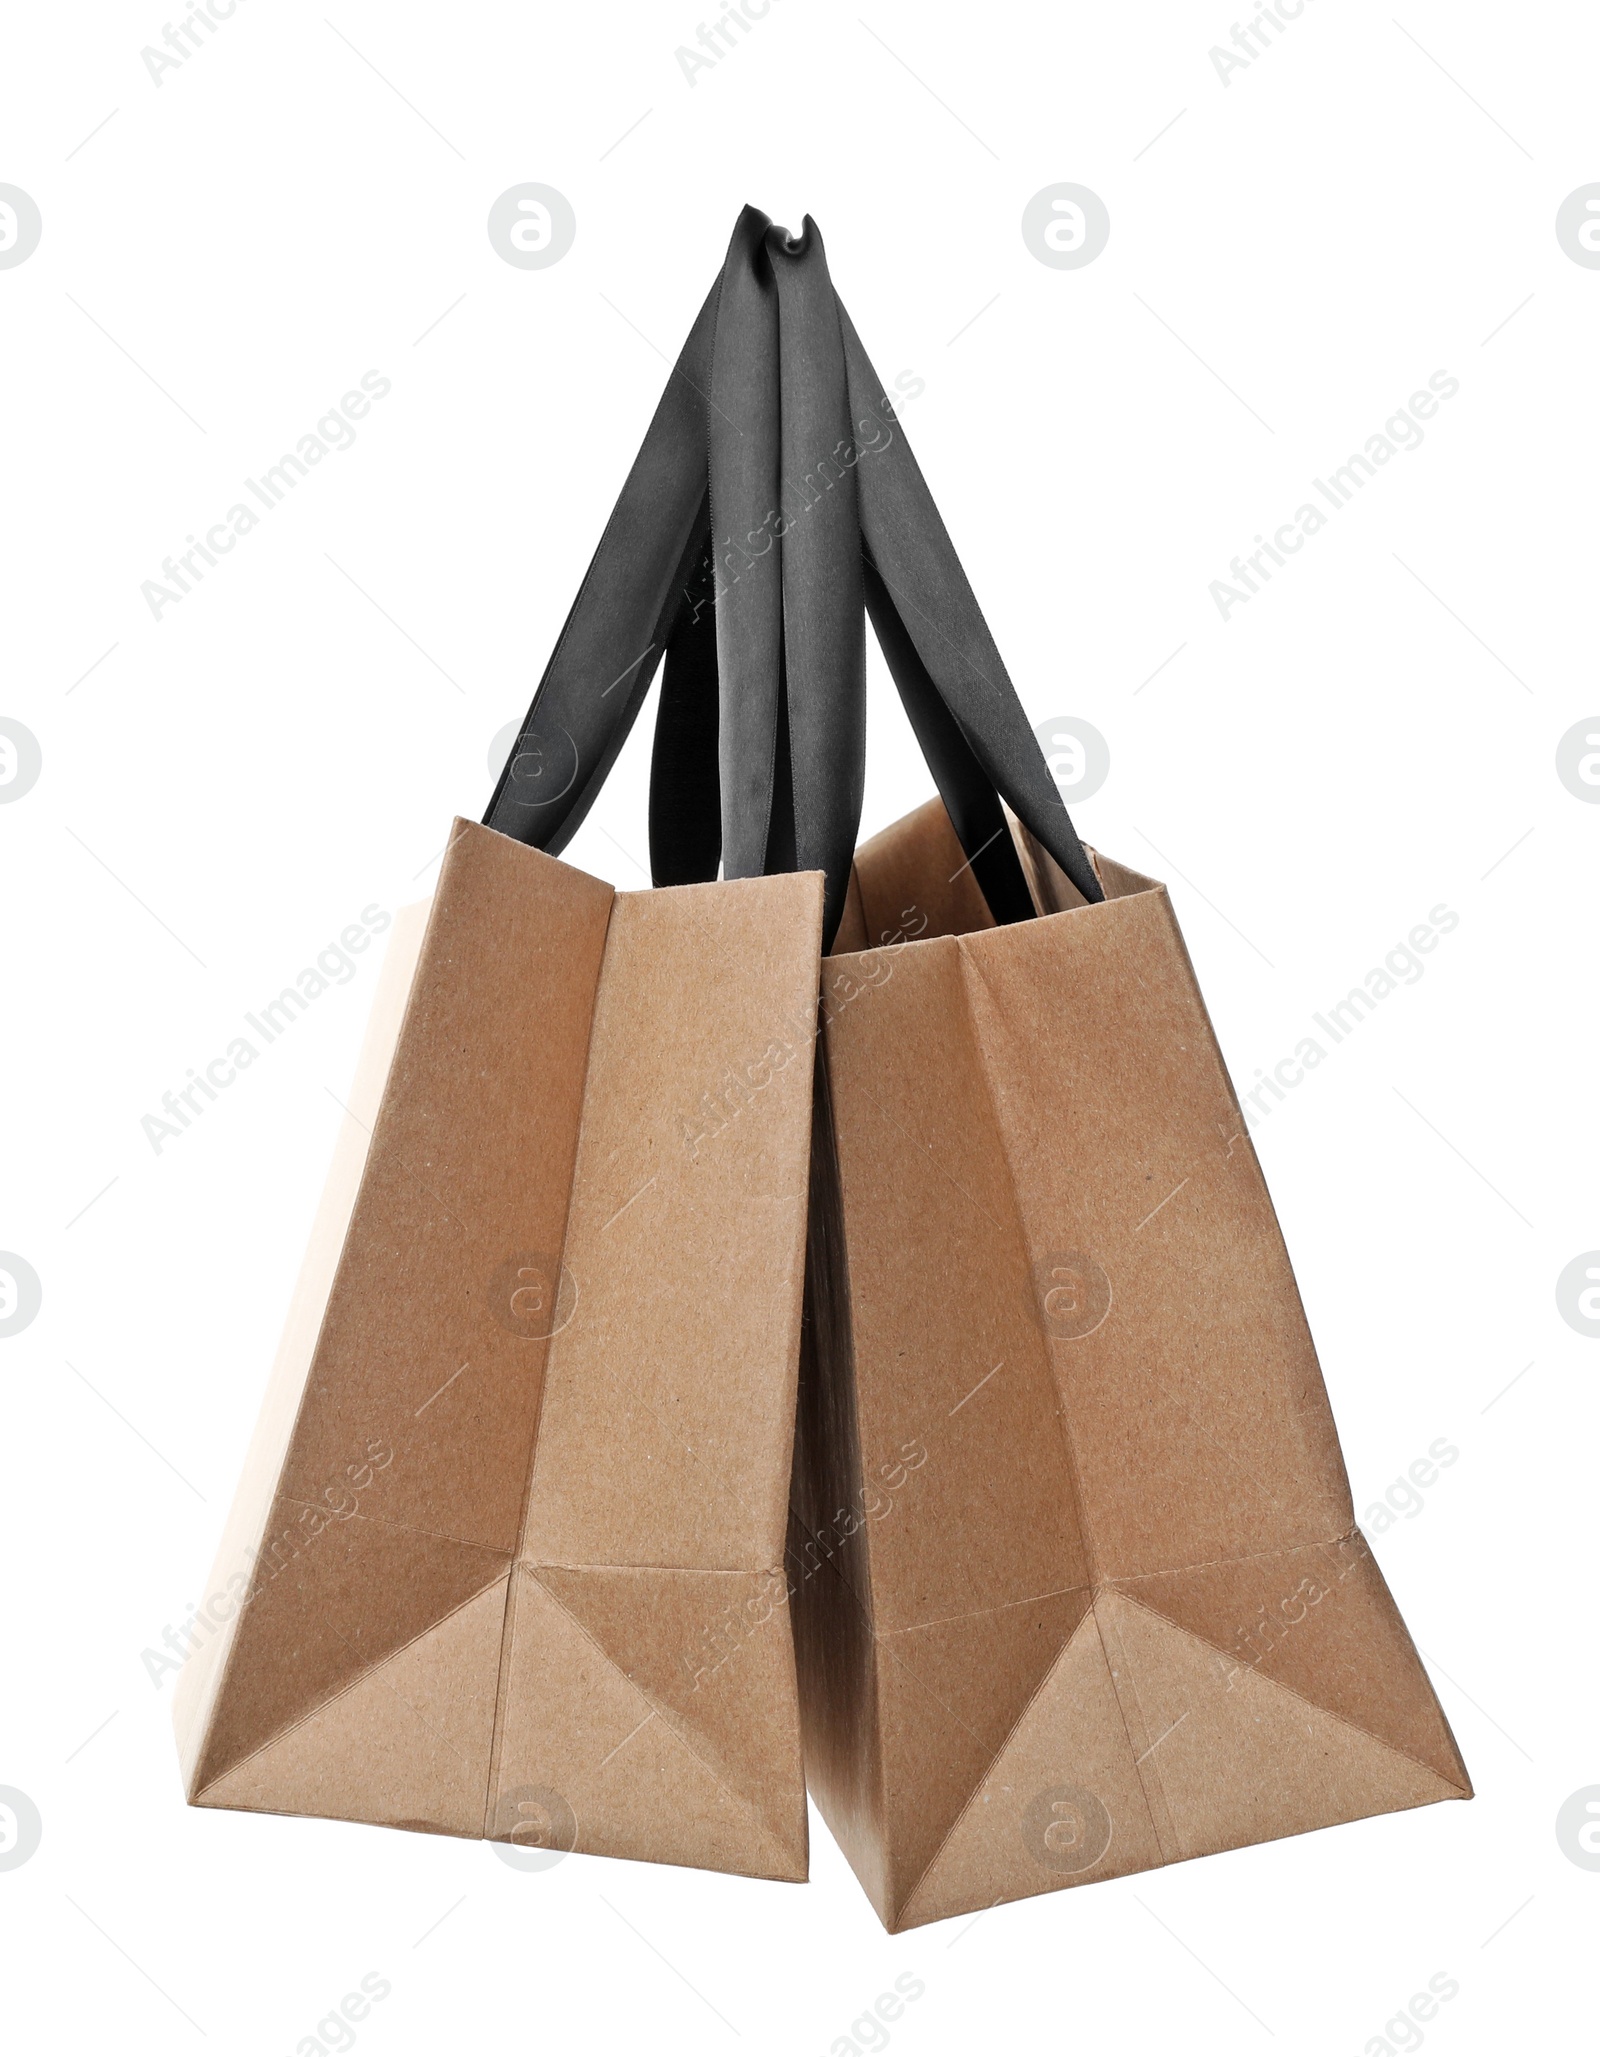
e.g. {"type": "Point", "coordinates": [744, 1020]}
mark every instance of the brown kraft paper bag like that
{"type": "Point", "coordinates": [526, 1452]}
{"type": "Point", "coordinates": [1076, 1580]}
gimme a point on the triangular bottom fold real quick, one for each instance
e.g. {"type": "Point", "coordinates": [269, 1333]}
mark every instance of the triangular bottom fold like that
{"type": "Point", "coordinates": [950, 1694]}
{"type": "Point", "coordinates": [1231, 1756]}
{"type": "Point", "coordinates": [406, 1746]}
{"type": "Point", "coordinates": [1061, 1806]}
{"type": "Point", "coordinates": [615, 1764]}
{"type": "Point", "coordinates": [1318, 1619]}
{"type": "Point", "coordinates": [1146, 1745]}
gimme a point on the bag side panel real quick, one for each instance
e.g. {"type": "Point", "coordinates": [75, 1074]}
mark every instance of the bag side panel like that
{"type": "Point", "coordinates": [1176, 1332]}
{"type": "Point", "coordinates": [651, 1556]}
{"type": "Point", "coordinates": [686, 1241]}
{"type": "Point", "coordinates": [402, 1486]}
{"type": "Point", "coordinates": [247, 1518]}
{"type": "Point", "coordinates": [962, 1550]}
{"type": "Point", "coordinates": [829, 1581]}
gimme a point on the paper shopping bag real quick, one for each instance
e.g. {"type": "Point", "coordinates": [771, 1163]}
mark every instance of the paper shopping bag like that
{"type": "Point", "coordinates": [1076, 1580]}
{"type": "Point", "coordinates": [1078, 1585]}
{"type": "Point", "coordinates": [528, 1441]}
{"type": "Point", "coordinates": [522, 1476]}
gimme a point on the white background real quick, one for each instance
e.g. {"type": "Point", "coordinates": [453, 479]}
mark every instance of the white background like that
{"type": "Point", "coordinates": [224, 789]}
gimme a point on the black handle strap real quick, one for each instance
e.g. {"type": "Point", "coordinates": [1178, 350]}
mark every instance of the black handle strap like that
{"type": "Point", "coordinates": [743, 437]}
{"type": "Point", "coordinates": [956, 691]}
{"type": "Point", "coordinates": [784, 674]}
{"type": "Point", "coordinates": [690, 567]}
{"type": "Point", "coordinates": [857, 521]}
{"type": "Point", "coordinates": [822, 734]}
{"type": "Point", "coordinates": [774, 498]}
{"type": "Point", "coordinates": [631, 602]}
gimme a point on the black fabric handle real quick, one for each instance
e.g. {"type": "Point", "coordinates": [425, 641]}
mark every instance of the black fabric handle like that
{"type": "Point", "coordinates": [824, 715]}
{"type": "Point", "coordinates": [961, 704]}
{"type": "Point", "coordinates": [743, 438]}
{"type": "Point", "coordinates": [631, 604]}
{"type": "Point", "coordinates": [690, 567]}
{"type": "Point", "coordinates": [943, 658]}
{"type": "Point", "coordinates": [786, 667]}
{"type": "Point", "coordinates": [612, 641]}
{"type": "Point", "coordinates": [773, 500]}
